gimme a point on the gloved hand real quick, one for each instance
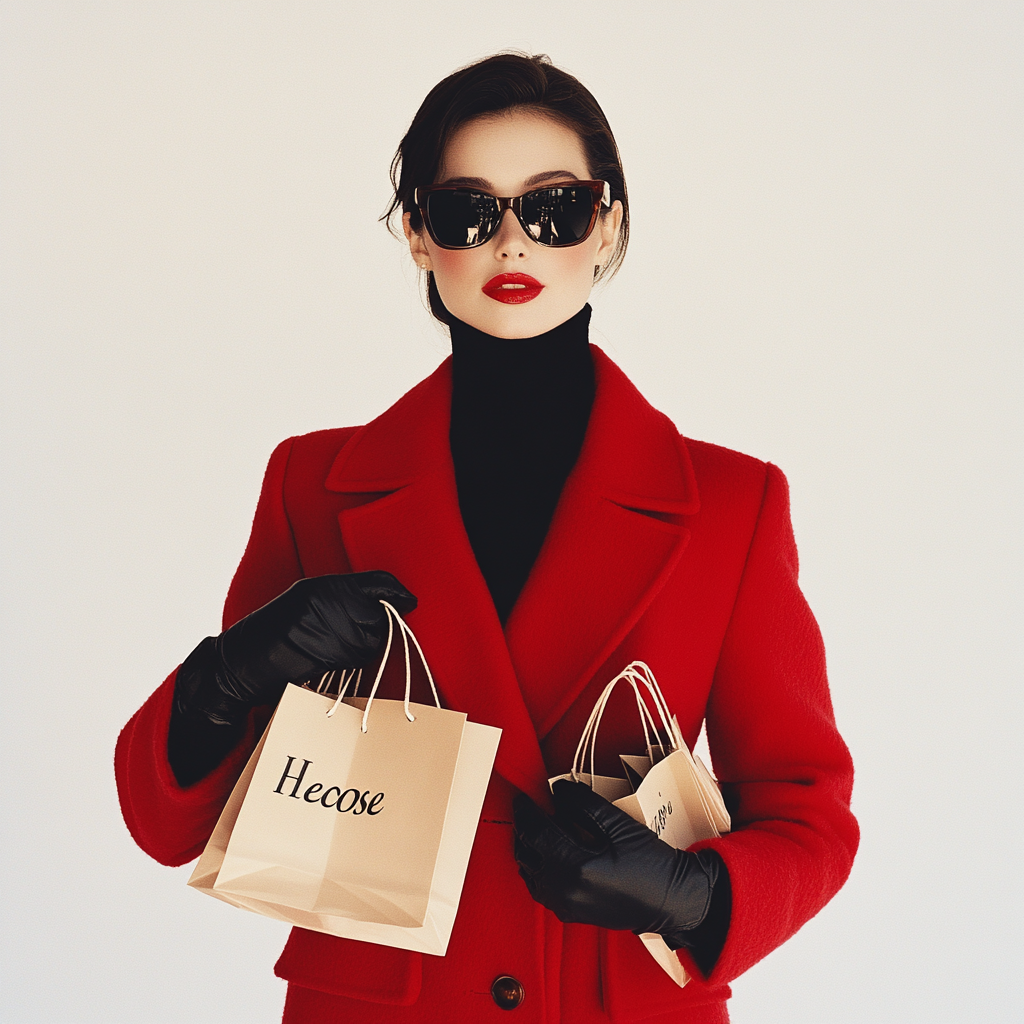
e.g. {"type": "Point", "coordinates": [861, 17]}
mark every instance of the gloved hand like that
{"type": "Point", "coordinates": [318, 624]}
{"type": "Point", "coordinates": [593, 864]}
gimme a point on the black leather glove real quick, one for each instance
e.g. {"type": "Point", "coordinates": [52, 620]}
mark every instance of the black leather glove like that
{"type": "Point", "coordinates": [318, 624]}
{"type": "Point", "coordinates": [593, 864]}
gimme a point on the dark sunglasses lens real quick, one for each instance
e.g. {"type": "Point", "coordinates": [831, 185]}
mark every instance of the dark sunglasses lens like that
{"type": "Point", "coordinates": [461, 218]}
{"type": "Point", "coordinates": [558, 216]}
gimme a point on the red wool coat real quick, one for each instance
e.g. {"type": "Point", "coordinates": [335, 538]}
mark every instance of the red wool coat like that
{"type": "Point", "coordinates": [668, 550]}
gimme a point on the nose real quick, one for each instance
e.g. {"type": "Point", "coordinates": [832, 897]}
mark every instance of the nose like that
{"type": "Point", "coordinates": [511, 241]}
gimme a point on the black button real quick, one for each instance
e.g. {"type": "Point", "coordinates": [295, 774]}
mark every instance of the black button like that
{"type": "Point", "coordinates": [507, 992]}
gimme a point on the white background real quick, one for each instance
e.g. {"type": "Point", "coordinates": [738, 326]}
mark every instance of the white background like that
{"type": "Point", "coordinates": [825, 271]}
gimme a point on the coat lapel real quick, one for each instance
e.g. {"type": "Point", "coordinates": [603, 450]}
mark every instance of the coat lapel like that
{"type": "Point", "coordinates": [412, 527]}
{"type": "Point", "coordinates": [615, 537]}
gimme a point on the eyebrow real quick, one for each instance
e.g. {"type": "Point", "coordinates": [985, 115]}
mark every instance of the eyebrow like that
{"type": "Point", "coordinates": [532, 180]}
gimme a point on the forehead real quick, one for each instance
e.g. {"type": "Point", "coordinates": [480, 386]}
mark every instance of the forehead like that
{"type": "Point", "coordinates": [508, 151]}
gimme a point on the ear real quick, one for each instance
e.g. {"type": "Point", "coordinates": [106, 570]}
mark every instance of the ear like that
{"type": "Point", "coordinates": [608, 225]}
{"type": "Point", "coordinates": [417, 244]}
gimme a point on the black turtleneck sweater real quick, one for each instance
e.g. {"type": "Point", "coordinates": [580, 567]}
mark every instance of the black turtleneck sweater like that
{"type": "Point", "coordinates": [520, 408]}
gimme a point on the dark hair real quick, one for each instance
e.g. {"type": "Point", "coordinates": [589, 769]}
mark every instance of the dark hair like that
{"type": "Point", "coordinates": [488, 86]}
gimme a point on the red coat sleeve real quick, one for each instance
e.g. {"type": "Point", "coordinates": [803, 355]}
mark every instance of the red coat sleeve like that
{"type": "Point", "coordinates": [173, 824]}
{"type": "Point", "coordinates": [784, 768]}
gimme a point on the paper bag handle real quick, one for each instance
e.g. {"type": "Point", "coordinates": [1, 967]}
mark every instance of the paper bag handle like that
{"type": "Point", "coordinates": [347, 675]}
{"type": "Point", "coordinates": [634, 673]}
{"type": "Point", "coordinates": [407, 635]}
{"type": "Point", "coordinates": [588, 738]}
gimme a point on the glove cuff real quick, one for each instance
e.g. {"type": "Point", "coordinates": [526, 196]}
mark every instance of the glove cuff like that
{"type": "Point", "coordinates": [689, 898]}
{"type": "Point", "coordinates": [706, 939]}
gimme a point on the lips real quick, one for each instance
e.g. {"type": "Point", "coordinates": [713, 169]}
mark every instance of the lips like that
{"type": "Point", "coordinates": [513, 288]}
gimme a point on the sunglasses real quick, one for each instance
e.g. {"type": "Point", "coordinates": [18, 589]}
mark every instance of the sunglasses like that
{"type": "Point", "coordinates": [458, 217]}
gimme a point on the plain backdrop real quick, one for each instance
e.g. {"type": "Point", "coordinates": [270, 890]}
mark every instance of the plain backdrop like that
{"type": "Point", "coordinates": [824, 271]}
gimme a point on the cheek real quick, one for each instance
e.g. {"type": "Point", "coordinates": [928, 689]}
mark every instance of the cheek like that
{"type": "Point", "coordinates": [577, 263]}
{"type": "Point", "coordinates": [453, 270]}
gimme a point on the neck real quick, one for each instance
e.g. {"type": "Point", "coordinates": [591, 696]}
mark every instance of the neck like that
{"type": "Point", "coordinates": [573, 331]}
{"type": "Point", "coordinates": [523, 376]}
{"type": "Point", "coordinates": [520, 408]}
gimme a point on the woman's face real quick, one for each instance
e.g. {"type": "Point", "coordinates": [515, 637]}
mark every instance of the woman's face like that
{"type": "Point", "coordinates": [508, 154]}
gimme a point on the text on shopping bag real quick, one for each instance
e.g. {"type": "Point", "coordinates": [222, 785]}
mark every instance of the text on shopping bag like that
{"type": "Point", "coordinates": [357, 804]}
{"type": "Point", "coordinates": [660, 820]}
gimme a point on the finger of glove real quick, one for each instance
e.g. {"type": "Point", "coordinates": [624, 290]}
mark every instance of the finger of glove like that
{"type": "Point", "coordinates": [578, 803]}
{"type": "Point", "coordinates": [542, 835]}
{"type": "Point", "coordinates": [382, 586]}
{"type": "Point", "coordinates": [528, 819]}
{"type": "Point", "coordinates": [549, 889]}
{"type": "Point", "coordinates": [545, 896]}
{"type": "Point", "coordinates": [341, 627]}
{"type": "Point", "coordinates": [528, 859]}
{"type": "Point", "coordinates": [536, 890]}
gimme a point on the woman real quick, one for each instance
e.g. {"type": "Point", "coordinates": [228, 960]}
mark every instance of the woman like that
{"type": "Point", "coordinates": [552, 527]}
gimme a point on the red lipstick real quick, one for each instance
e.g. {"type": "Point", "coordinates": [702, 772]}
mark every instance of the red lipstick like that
{"type": "Point", "coordinates": [513, 288]}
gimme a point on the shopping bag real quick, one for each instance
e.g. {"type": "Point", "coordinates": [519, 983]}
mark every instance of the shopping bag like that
{"type": "Point", "coordinates": [665, 787]}
{"type": "Point", "coordinates": [476, 755]}
{"type": "Point", "coordinates": [355, 816]}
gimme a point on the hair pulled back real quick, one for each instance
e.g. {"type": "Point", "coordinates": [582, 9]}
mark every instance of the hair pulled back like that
{"type": "Point", "coordinates": [494, 84]}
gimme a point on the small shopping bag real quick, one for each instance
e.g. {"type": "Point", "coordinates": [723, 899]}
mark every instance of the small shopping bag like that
{"type": "Point", "coordinates": [355, 816]}
{"type": "Point", "coordinates": [666, 787]}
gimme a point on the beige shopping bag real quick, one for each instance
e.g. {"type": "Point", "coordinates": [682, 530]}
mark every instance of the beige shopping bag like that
{"type": "Point", "coordinates": [667, 788]}
{"type": "Point", "coordinates": [363, 834]}
{"type": "Point", "coordinates": [476, 756]}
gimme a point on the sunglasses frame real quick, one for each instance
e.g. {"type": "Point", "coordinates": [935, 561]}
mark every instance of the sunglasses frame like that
{"type": "Point", "coordinates": [599, 190]}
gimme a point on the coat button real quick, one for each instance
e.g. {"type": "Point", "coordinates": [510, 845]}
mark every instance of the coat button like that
{"type": "Point", "coordinates": [507, 992]}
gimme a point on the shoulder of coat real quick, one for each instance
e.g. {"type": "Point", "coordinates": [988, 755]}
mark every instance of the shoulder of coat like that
{"type": "Point", "coordinates": [725, 471]}
{"type": "Point", "coordinates": [310, 456]}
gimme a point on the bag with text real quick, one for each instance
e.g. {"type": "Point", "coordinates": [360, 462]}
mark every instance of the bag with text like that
{"type": "Point", "coordinates": [665, 787]}
{"type": "Point", "coordinates": [355, 816]}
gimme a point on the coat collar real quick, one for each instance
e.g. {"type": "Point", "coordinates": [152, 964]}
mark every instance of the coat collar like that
{"type": "Point", "coordinates": [613, 541]}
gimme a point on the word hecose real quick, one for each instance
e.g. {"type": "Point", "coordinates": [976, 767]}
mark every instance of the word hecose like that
{"type": "Point", "coordinates": [346, 800]}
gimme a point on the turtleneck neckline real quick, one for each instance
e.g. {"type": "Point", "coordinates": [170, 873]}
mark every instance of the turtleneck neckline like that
{"type": "Point", "coordinates": [520, 408]}
{"type": "Point", "coordinates": [468, 342]}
